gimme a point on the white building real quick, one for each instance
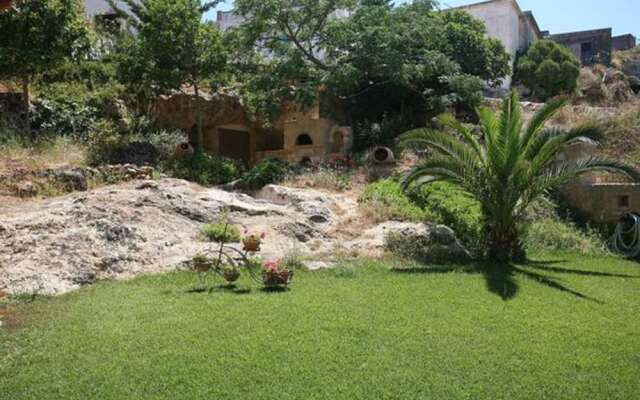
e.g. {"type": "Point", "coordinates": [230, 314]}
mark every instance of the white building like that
{"type": "Point", "coordinates": [506, 21]}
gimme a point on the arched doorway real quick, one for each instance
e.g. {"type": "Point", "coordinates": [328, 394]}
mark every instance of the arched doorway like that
{"type": "Point", "coordinates": [304, 140]}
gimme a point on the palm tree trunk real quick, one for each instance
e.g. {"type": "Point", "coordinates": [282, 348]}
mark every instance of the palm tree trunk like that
{"type": "Point", "coordinates": [26, 105]}
{"type": "Point", "coordinates": [505, 244]}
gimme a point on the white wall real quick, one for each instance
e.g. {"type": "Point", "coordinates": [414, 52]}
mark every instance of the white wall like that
{"type": "Point", "coordinates": [503, 23]}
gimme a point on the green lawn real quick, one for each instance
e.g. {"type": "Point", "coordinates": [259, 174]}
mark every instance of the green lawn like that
{"type": "Point", "coordinates": [563, 327]}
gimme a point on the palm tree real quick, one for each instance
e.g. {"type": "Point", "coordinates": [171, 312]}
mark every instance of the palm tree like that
{"type": "Point", "coordinates": [508, 167]}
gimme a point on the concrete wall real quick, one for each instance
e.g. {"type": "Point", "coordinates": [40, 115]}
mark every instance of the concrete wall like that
{"type": "Point", "coordinates": [623, 42]}
{"type": "Point", "coordinates": [506, 22]}
{"type": "Point", "coordinates": [599, 41]}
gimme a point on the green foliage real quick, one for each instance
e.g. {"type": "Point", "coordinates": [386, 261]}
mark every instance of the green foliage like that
{"type": "Point", "coordinates": [548, 69]}
{"type": "Point", "coordinates": [266, 172]}
{"type": "Point", "coordinates": [409, 59]}
{"type": "Point", "coordinates": [204, 168]}
{"type": "Point", "coordinates": [452, 207]}
{"type": "Point", "coordinates": [174, 46]}
{"type": "Point", "coordinates": [384, 200]}
{"type": "Point", "coordinates": [65, 110]}
{"type": "Point", "coordinates": [510, 168]}
{"type": "Point", "coordinates": [368, 134]}
{"type": "Point", "coordinates": [37, 35]}
{"type": "Point", "coordinates": [109, 144]}
{"type": "Point", "coordinates": [554, 235]}
{"type": "Point", "coordinates": [222, 232]}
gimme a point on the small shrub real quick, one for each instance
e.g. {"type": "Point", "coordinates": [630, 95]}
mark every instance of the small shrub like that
{"type": "Point", "coordinates": [548, 69]}
{"type": "Point", "coordinates": [264, 173]}
{"type": "Point", "coordinates": [384, 200]}
{"type": "Point", "coordinates": [203, 168]}
{"type": "Point", "coordinates": [221, 232]}
{"type": "Point", "coordinates": [558, 235]}
{"type": "Point", "coordinates": [454, 208]}
{"type": "Point", "coordinates": [321, 179]}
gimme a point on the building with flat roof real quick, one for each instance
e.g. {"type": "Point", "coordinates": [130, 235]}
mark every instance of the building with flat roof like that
{"type": "Point", "coordinates": [506, 21]}
{"type": "Point", "coordinates": [591, 47]}
{"type": "Point", "coordinates": [623, 42]}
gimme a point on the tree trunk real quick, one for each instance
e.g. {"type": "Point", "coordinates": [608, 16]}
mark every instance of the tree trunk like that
{"type": "Point", "coordinates": [26, 105]}
{"type": "Point", "coordinates": [505, 244]}
{"type": "Point", "coordinates": [200, 144]}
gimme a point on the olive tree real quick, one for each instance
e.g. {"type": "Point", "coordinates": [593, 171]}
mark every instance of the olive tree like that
{"type": "Point", "coordinates": [36, 36]}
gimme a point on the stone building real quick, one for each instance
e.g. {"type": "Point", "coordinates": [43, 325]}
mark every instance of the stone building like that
{"type": "Point", "coordinates": [602, 197]}
{"type": "Point", "coordinates": [506, 21]}
{"type": "Point", "coordinates": [297, 136]}
{"type": "Point", "coordinates": [623, 42]}
{"type": "Point", "coordinates": [591, 47]}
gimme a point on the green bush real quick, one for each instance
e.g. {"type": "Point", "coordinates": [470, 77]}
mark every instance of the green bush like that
{"type": "Point", "coordinates": [221, 232]}
{"type": "Point", "coordinates": [548, 69]}
{"type": "Point", "coordinates": [452, 207]}
{"type": "Point", "coordinates": [556, 235]}
{"type": "Point", "coordinates": [384, 200]}
{"type": "Point", "coordinates": [264, 173]}
{"type": "Point", "coordinates": [203, 168]}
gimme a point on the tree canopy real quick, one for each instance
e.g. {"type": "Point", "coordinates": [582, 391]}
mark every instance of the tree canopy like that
{"type": "Point", "coordinates": [548, 69]}
{"type": "Point", "coordinates": [411, 59]}
{"type": "Point", "coordinates": [37, 35]}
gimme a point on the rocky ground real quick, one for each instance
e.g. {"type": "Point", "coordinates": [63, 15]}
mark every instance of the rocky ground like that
{"type": "Point", "coordinates": [144, 226]}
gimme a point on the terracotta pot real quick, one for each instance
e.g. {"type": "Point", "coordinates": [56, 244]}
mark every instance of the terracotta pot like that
{"type": "Point", "coordinates": [231, 276]}
{"type": "Point", "coordinates": [251, 244]}
{"type": "Point", "coordinates": [277, 278]}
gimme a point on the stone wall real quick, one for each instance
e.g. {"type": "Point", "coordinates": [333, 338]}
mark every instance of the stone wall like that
{"type": "Point", "coordinates": [296, 136]}
{"type": "Point", "coordinates": [604, 202]}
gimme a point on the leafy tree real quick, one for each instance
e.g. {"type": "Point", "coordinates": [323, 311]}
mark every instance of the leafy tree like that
{"type": "Point", "coordinates": [37, 35]}
{"type": "Point", "coordinates": [510, 167]}
{"type": "Point", "coordinates": [173, 47]}
{"type": "Point", "coordinates": [410, 59]}
{"type": "Point", "coordinates": [548, 69]}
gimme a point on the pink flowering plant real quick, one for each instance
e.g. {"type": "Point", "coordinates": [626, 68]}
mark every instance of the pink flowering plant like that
{"type": "Point", "coordinates": [275, 274]}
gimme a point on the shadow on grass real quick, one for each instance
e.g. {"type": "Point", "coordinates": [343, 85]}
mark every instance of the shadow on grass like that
{"type": "Point", "coordinates": [233, 289]}
{"type": "Point", "coordinates": [501, 277]}
{"type": "Point", "coordinates": [274, 289]}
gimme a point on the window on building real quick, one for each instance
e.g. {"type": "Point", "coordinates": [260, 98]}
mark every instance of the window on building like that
{"type": "Point", "coordinates": [304, 140]}
{"type": "Point", "coordinates": [623, 202]}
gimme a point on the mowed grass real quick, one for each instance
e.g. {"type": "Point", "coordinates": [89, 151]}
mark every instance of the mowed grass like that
{"type": "Point", "coordinates": [563, 327]}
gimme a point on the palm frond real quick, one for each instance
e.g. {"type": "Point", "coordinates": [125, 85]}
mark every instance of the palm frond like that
{"type": "Point", "coordinates": [552, 141]}
{"type": "Point", "coordinates": [443, 144]}
{"type": "Point", "coordinates": [433, 169]}
{"type": "Point", "coordinates": [450, 121]}
{"type": "Point", "coordinates": [540, 119]}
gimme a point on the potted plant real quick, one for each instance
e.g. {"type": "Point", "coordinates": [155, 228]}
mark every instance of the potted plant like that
{"type": "Point", "coordinates": [275, 275]}
{"type": "Point", "coordinates": [252, 242]}
{"type": "Point", "coordinates": [230, 273]}
{"type": "Point", "coordinates": [201, 263]}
